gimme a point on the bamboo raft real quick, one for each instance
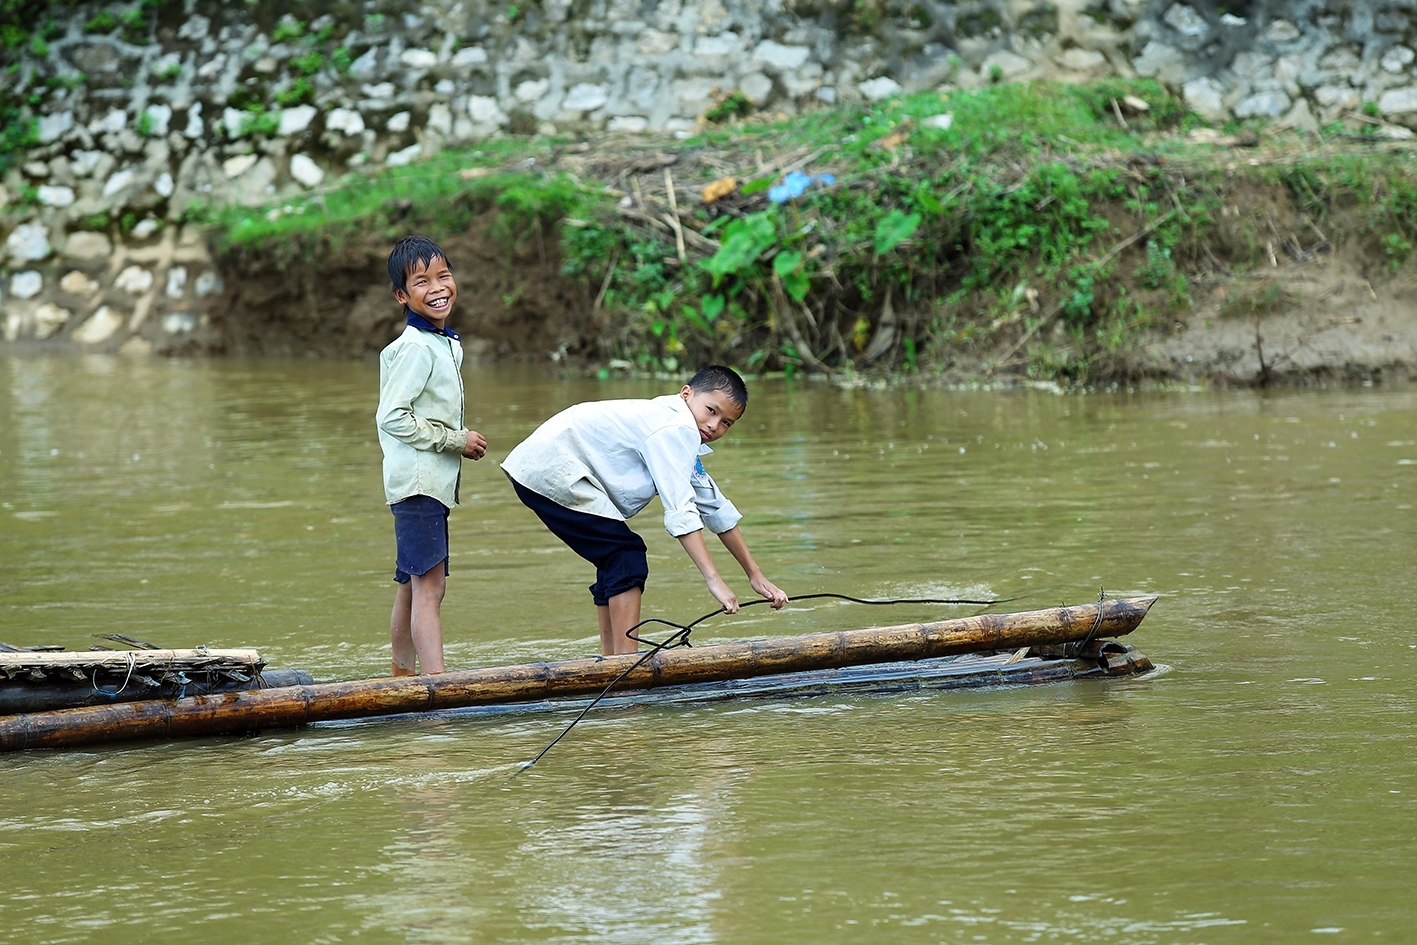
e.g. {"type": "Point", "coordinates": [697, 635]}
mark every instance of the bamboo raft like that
{"type": "Point", "coordinates": [1063, 642]}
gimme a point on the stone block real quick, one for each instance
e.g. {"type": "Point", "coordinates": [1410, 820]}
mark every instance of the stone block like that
{"type": "Point", "coordinates": [399, 123]}
{"type": "Point", "coordinates": [469, 56]}
{"type": "Point", "coordinates": [585, 97]}
{"type": "Point", "coordinates": [135, 280]}
{"type": "Point", "coordinates": [777, 56]}
{"type": "Point", "coordinates": [164, 185]}
{"type": "Point", "coordinates": [1397, 59]}
{"type": "Point", "coordinates": [1165, 63]}
{"type": "Point", "coordinates": [52, 196]}
{"type": "Point", "coordinates": [346, 120]}
{"type": "Point", "coordinates": [76, 283]}
{"type": "Point", "coordinates": [757, 87]}
{"type": "Point", "coordinates": [26, 284]}
{"type": "Point", "coordinates": [87, 245]}
{"type": "Point", "coordinates": [98, 329]}
{"type": "Point", "coordinates": [1186, 21]}
{"type": "Point", "coordinates": [1206, 97]}
{"type": "Point", "coordinates": [159, 116]}
{"type": "Point", "coordinates": [82, 163]}
{"type": "Point", "coordinates": [405, 156]}
{"type": "Point", "coordinates": [145, 228]}
{"type": "Point", "coordinates": [1010, 65]}
{"type": "Point", "coordinates": [724, 44]}
{"type": "Point", "coordinates": [531, 90]}
{"type": "Point", "coordinates": [178, 323]}
{"type": "Point", "coordinates": [941, 122]}
{"type": "Point", "coordinates": [55, 126]}
{"type": "Point", "coordinates": [49, 318]}
{"type": "Point", "coordinates": [116, 120]}
{"type": "Point", "coordinates": [208, 283]}
{"type": "Point", "coordinates": [295, 120]}
{"type": "Point", "coordinates": [1268, 104]}
{"type": "Point", "coordinates": [1082, 60]}
{"type": "Point", "coordinates": [631, 123]}
{"type": "Point", "coordinates": [879, 89]}
{"type": "Point", "coordinates": [483, 110]}
{"type": "Point", "coordinates": [176, 282]}
{"type": "Point", "coordinates": [440, 119]}
{"type": "Point", "coordinates": [118, 182]}
{"type": "Point", "coordinates": [305, 171]}
{"type": "Point", "coordinates": [234, 167]}
{"type": "Point", "coordinates": [652, 42]}
{"type": "Point", "coordinates": [1398, 101]}
{"type": "Point", "coordinates": [28, 242]}
{"type": "Point", "coordinates": [418, 58]}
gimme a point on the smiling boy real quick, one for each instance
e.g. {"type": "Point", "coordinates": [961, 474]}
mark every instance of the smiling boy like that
{"type": "Point", "coordinates": [421, 432]}
{"type": "Point", "coordinates": [592, 466]}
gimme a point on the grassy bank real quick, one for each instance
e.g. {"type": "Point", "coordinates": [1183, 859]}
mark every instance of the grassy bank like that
{"type": "Point", "coordinates": [1040, 230]}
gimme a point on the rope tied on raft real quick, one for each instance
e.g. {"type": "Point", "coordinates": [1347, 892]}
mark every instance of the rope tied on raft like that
{"type": "Point", "coordinates": [680, 637]}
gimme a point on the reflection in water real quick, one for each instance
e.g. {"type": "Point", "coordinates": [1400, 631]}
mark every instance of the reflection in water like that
{"type": "Point", "coordinates": [1255, 786]}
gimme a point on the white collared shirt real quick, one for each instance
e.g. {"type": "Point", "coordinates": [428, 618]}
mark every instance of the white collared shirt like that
{"type": "Point", "coordinates": [420, 416]}
{"type": "Point", "coordinates": [610, 457]}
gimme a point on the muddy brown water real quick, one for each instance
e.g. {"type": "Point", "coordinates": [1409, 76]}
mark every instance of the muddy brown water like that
{"type": "Point", "coordinates": [1261, 788]}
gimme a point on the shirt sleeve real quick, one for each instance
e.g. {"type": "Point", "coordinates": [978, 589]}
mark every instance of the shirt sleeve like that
{"type": "Point", "coordinates": [408, 375]}
{"type": "Point", "coordinates": [717, 512]}
{"type": "Point", "coordinates": [670, 456]}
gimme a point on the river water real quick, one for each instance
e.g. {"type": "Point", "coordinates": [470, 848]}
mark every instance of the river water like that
{"type": "Point", "coordinates": [1262, 787]}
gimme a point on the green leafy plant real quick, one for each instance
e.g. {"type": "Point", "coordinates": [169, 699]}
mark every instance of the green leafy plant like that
{"type": "Point", "coordinates": [895, 228]}
{"type": "Point", "coordinates": [287, 30]}
{"type": "Point", "coordinates": [101, 22]}
{"type": "Point", "coordinates": [299, 92]}
{"type": "Point", "coordinates": [735, 105]}
{"type": "Point", "coordinates": [341, 59]}
{"type": "Point", "coordinates": [308, 64]}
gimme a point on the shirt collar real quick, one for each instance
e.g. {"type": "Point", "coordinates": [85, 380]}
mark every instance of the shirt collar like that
{"type": "Point", "coordinates": [423, 324]}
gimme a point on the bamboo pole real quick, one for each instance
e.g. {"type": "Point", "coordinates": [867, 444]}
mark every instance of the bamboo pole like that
{"type": "Point", "coordinates": [298, 705]}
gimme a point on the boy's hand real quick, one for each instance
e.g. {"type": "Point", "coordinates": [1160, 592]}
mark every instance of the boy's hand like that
{"type": "Point", "coordinates": [770, 591]}
{"type": "Point", "coordinates": [723, 594]}
{"type": "Point", "coordinates": [476, 446]}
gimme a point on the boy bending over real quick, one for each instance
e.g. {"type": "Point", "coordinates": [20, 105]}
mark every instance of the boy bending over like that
{"type": "Point", "coordinates": [592, 466]}
{"type": "Point", "coordinates": [421, 432]}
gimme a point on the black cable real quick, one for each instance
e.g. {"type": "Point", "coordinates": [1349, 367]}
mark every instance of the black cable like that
{"type": "Point", "coordinates": [680, 637]}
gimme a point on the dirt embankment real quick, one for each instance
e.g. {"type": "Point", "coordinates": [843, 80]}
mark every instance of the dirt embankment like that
{"type": "Point", "coordinates": [316, 298]}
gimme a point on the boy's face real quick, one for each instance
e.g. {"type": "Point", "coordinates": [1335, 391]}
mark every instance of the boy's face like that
{"type": "Point", "coordinates": [431, 290]}
{"type": "Point", "coordinates": [714, 412]}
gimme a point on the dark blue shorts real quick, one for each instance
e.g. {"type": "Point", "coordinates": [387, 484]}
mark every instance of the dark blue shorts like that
{"type": "Point", "coordinates": [421, 534]}
{"type": "Point", "coordinates": [617, 553]}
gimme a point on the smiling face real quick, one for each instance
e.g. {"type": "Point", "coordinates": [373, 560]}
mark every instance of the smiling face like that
{"type": "Point", "coordinates": [431, 290]}
{"type": "Point", "coordinates": [714, 411]}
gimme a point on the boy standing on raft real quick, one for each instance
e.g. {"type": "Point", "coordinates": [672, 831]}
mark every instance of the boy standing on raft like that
{"type": "Point", "coordinates": [422, 435]}
{"type": "Point", "coordinates": [592, 466]}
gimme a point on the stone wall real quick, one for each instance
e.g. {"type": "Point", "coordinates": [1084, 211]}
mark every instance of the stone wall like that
{"type": "Point", "coordinates": [140, 111]}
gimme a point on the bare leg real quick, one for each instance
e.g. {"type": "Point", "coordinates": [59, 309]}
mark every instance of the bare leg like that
{"type": "Point", "coordinates": [426, 625]}
{"type": "Point", "coordinates": [607, 642]}
{"type": "Point", "coordinates": [399, 622]}
{"type": "Point", "coordinates": [622, 614]}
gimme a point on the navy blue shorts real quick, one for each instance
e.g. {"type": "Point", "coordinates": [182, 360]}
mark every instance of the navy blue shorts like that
{"type": "Point", "coordinates": [617, 553]}
{"type": "Point", "coordinates": [421, 533]}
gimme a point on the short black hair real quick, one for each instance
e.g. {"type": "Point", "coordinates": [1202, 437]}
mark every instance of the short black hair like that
{"type": "Point", "coordinates": [717, 377]}
{"type": "Point", "coordinates": [409, 252]}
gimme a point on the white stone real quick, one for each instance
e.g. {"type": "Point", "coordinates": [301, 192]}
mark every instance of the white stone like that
{"type": "Point", "coordinates": [631, 123]}
{"type": "Point", "coordinates": [28, 242]}
{"type": "Point", "coordinates": [212, 66]}
{"type": "Point", "coordinates": [295, 120]}
{"type": "Point", "coordinates": [469, 56]}
{"type": "Point", "coordinates": [1270, 104]}
{"type": "Point", "coordinates": [194, 27]}
{"type": "Point", "coordinates": [36, 169]}
{"type": "Point", "coordinates": [82, 163]}
{"type": "Point", "coordinates": [53, 127]}
{"type": "Point", "coordinates": [366, 65]}
{"type": "Point", "coordinates": [234, 167]}
{"type": "Point", "coordinates": [208, 283]}
{"type": "Point", "coordinates": [879, 89]}
{"type": "Point", "coordinates": [115, 120]}
{"type": "Point", "coordinates": [164, 185]}
{"type": "Point", "coordinates": [135, 280]}
{"type": "Point", "coordinates": [406, 156]}
{"type": "Point", "coordinates": [483, 110]}
{"type": "Point", "coordinates": [232, 119]}
{"type": "Point", "coordinates": [176, 282]}
{"type": "Point", "coordinates": [49, 318]}
{"type": "Point", "coordinates": [345, 119]}
{"type": "Point", "coordinates": [1082, 60]}
{"type": "Point", "coordinates": [55, 196]}
{"type": "Point", "coordinates": [943, 121]}
{"type": "Point", "coordinates": [136, 346]}
{"type": "Point", "coordinates": [531, 90]}
{"type": "Point", "coordinates": [585, 97]}
{"type": "Point", "coordinates": [1300, 117]}
{"type": "Point", "coordinates": [777, 56]}
{"type": "Point", "coordinates": [1206, 97]}
{"type": "Point", "coordinates": [1337, 96]}
{"type": "Point", "coordinates": [1010, 66]}
{"type": "Point", "coordinates": [723, 44]}
{"type": "Point", "coordinates": [86, 244]}
{"type": "Point", "coordinates": [1186, 21]}
{"type": "Point", "coordinates": [757, 87]}
{"type": "Point", "coordinates": [1253, 65]}
{"type": "Point", "coordinates": [445, 86]}
{"type": "Point", "coordinates": [76, 283]}
{"type": "Point", "coordinates": [176, 323]}
{"type": "Point", "coordinates": [398, 124]}
{"type": "Point", "coordinates": [118, 182]}
{"type": "Point", "coordinates": [145, 227]}
{"type": "Point", "coordinates": [652, 42]}
{"type": "Point", "coordinates": [418, 58]}
{"type": "Point", "coordinates": [827, 95]}
{"type": "Point", "coordinates": [1396, 59]}
{"type": "Point", "coordinates": [26, 284]}
{"type": "Point", "coordinates": [1166, 63]}
{"type": "Point", "coordinates": [306, 171]}
{"type": "Point", "coordinates": [1398, 101]}
{"type": "Point", "coordinates": [382, 90]}
{"type": "Point", "coordinates": [440, 119]}
{"type": "Point", "coordinates": [195, 126]}
{"type": "Point", "coordinates": [1281, 31]}
{"type": "Point", "coordinates": [159, 117]}
{"type": "Point", "coordinates": [1230, 19]}
{"type": "Point", "coordinates": [99, 328]}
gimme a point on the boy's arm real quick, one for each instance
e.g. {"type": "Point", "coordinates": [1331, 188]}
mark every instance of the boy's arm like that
{"type": "Point", "coordinates": [693, 543]}
{"type": "Point", "coordinates": [737, 546]}
{"type": "Point", "coordinates": [407, 376]}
